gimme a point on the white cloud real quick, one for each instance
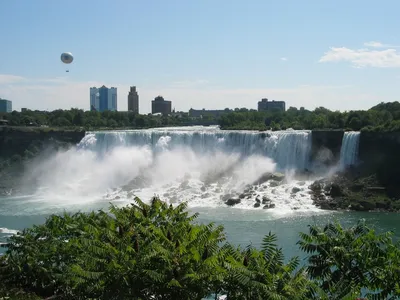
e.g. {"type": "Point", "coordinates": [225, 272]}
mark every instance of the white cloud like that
{"type": "Point", "coordinates": [6, 78]}
{"type": "Point", "coordinates": [374, 44]}
{"type": "Point", "coordinates": [284, 58]}
{"type": "Point", "coordinates": [360, 58]}
{"type": "Point", "coordinates": [54, 93]}
{"type": "Point", "coordinates": [189, 83]}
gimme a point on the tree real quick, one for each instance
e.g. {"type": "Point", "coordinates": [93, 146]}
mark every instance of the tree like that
{"type": "Point", "coordinates": [343, 261]}
{"type": "Point", "coordinates": [156, 251]}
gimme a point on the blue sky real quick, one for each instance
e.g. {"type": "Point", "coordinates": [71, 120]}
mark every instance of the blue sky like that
{"type": "Point", "coordinates": [201, 54]}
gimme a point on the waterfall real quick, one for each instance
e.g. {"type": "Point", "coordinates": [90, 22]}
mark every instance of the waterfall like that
{"type": "Point", "coordinates": [349, 149]}
{"type": "Point", "coordinates": [289, 149]}
{"type": "Point", "coordinates": [204, 166]}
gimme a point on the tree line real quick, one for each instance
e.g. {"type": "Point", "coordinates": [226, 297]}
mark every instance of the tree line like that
{"type": "Point", "coordinates": [157, 251]}
{"type": "Point", "coordinates": [87, 119]}
{"type": "Point", "coordinates": [382, 117]}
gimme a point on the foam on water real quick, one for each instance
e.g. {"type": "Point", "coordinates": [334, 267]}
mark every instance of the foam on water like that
{"type": "Point", "coordinates": [8, 231]}
{"type": "Point", "coordinates": [200, 165]}
{"type": "Point", "coordinates": [4, 234]}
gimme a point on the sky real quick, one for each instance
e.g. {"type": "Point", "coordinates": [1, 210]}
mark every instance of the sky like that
{"type": "Point", "coordinates": [341, 55]}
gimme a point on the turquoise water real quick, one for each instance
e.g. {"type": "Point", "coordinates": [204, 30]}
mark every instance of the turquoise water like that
{"type": "Point", "coordinates": [242, 226]}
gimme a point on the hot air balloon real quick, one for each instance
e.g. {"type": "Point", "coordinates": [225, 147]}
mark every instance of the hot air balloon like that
{"type": "Point", "coordinates": [67, 58]}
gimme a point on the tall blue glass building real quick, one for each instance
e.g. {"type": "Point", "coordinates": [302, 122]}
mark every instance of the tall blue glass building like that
{"type": "Point", "coordinates": [103, 98]}
{"type": "Point", "coordinates": [5, 105]}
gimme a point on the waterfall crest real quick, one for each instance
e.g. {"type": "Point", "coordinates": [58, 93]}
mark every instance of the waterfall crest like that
{"type": "Point", "coordinates": [289, 149]}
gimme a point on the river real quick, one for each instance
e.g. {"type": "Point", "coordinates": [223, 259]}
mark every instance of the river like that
{"type": "Point", "coordinates": [194, 164]}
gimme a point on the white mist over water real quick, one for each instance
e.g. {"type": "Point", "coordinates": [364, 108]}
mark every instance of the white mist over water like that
{"type": "Point", "coordinates": [349, 149]}
{"type": "Point", "coordinates": [76, 174]}
{"type": "Point", "coordinates": [195, 164]}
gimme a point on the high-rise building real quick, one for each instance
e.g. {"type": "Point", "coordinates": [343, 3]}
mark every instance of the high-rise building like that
{"type": "Point", "coordinates": [5, 105]}
{"type": "Point", "coordinates": [159, 105]}
{"type": "Point", "coordinates": [133, 100]}
{"type": "Point", "coordinates": [265, 105]}
{"type": "Point", "coordinates": [103, 98]}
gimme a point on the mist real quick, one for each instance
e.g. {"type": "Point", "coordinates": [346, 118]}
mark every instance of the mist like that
{"type": "Point", "coordinates": [198, 167]}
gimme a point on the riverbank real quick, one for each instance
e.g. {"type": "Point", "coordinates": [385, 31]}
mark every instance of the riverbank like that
{"type": "Point", "coordinates": [344, 191]}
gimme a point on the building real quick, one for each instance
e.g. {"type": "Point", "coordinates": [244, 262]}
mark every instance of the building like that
{"type": "Point", "coordinates": [265, 105]}
{"type": "Point", "coordinates": [159, 105]}
{"type": "Point", "coordinates": [216, 113]}
{"type": "Point", "coordinates": [133, 100]}
{"type": "Point", "coordinates": [5, 106]}
{"type": "Point", "coordinates": [179, 114]}
{"type": "Point", "coordinates": [103, 98]}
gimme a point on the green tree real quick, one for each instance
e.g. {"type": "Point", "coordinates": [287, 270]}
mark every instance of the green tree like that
{"type": "Point", "coordinates": [156, 251]}
{"type": "Point", "coordinates": [343, 261]}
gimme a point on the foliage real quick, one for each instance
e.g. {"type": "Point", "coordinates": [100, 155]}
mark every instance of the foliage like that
{"type": "Point", "coordinates": [382, 117]}
{"type": "Point", "coordinates": [343, 261]}
{"type": "Point", "coordinates": [158, 251]}
{"type": "Point", "coordinates": [88, 119]}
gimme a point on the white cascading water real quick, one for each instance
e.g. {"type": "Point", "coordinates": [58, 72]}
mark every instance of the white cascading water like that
{"type": "Point", "coordinates": [349, 149]}
{"type": "Point", "coordinates": [196, 164]}
{"type": "Point", "coordinates": [289, 149]}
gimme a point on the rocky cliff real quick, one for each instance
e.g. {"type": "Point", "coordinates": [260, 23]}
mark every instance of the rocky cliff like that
{"type": "Point", "coordinates": [20, 144]}
{"type": "Point", "coordinates": [326, 146]}
{"type": "Point", "coordinates": [15, 140]}
{"type": "Point", "coordinates": [373, 184]}
{"type": "Point", "coordinates": [379, 153]}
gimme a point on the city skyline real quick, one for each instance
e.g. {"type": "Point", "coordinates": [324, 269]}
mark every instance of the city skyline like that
{"type": "Point", "coordinates": [208, 54]}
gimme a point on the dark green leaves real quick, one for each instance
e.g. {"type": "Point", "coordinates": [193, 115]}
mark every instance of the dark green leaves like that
{"type": "Point", "coordinates": [157, 251]}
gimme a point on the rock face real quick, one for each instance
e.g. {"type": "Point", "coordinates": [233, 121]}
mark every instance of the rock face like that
{"type": "Point", "coordinates": [379, 153]}
{"type": "Point", "coordinates": [344, 192]}
{"type": "Point", "coordinates": [377, 150]}
{"type": "Point", "coordinates": [15, 140]}
{"type": "Point", "coordinates": [326, 145]}
{"type": "Point", "coordinates": [19, 145]}
{"type": "Point", "coordinates": [372, 184]}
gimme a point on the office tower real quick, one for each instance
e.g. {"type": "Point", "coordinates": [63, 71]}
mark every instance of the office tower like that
{"type": "Point", "coordinates": [133, 100]}
{"type": "Point", "coordinates": [5, 105]}
{"type": "Point", "coordinates": [159, 105]}
{"type": "Point", "coordinates": [103, 98]}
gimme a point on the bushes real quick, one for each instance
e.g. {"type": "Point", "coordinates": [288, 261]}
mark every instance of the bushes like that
{"type": "Point", "coordinates": [157, 251]}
